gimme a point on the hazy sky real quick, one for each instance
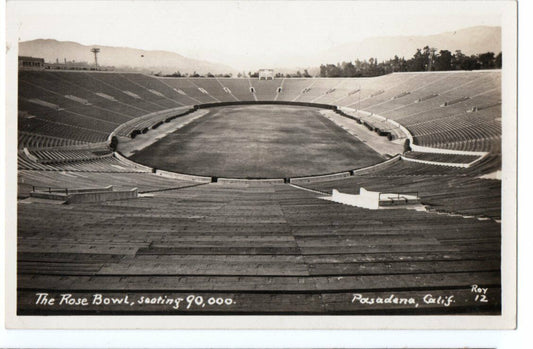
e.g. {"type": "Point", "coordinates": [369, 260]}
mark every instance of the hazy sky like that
{"type": "Point", "coordinates": [242, 33]}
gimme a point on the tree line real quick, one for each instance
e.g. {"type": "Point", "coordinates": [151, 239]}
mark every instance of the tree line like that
{"type": "Point", "coordinates": [426, 59]}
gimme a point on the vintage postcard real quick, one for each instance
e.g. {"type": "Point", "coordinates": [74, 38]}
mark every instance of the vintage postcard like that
{"type": "Point", "coordinates": [269, 165]}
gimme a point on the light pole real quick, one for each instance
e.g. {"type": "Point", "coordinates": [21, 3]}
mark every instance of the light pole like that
{"type": "Point", "coordinates": [95, 51]}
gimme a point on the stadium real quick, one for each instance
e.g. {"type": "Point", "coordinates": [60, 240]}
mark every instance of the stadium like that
{"type": "Point", "coordinates": [297, 196]}
{"type": "Point", "coordinates": [261, 165]}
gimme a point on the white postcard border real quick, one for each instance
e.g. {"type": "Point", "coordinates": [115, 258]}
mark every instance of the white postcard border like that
{"type": "Point", "coordinates": [506, 321]}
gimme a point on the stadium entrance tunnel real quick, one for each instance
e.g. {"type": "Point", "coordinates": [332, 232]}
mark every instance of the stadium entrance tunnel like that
{"type": "Point", "coordinates": [260, 140]}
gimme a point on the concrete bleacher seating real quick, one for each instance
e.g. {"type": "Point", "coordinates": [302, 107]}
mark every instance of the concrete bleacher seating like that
{"type": "Point", "coordinates": [443, 158]}
{"type": "Point", "coordinates": [416, 100]}
{"type": "Point", "coordinates": [318, 89]}
{"type": "Point", "coordinates": [121, 178]}
{"type": "Point", "coordinates": [292, 88]}
{"type": "Point", "coordinates": [266, 90]}
{"type": "Point", "coordinates": [272, 241]}
{"type": "Point", "coordinates": [240, 88]}
{"type": "Point", "coordinates": [61, 156]}
{"type": "Point", "coordinates": [472, 124]}
{"type": "Point", "coordinates": [61, 162]}
{"type": "Point", "coordinates": [31, 140]}
{"type": "Point", "coordinates": [259, 243]}
{"type": "Point", "coordinates": [215, 88]}
{"type": "Point", "coordinates": [445, 189]}
{"type": "Point", "coordinates": [190, 89]}
{"type": "Point", "coordinates": [423, 115]}
{"type": "Point", "coordinates": [138, 94]}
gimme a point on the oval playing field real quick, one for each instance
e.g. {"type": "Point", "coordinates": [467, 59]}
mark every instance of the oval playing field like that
{"type": "Point", "coordinates": [260, 141]}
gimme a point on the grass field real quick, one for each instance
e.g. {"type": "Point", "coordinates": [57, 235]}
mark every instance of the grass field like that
{"type": "Point", "coordinates": [259, 142]}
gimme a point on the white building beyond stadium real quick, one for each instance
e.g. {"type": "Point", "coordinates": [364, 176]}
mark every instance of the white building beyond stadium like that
{"type": "Point", "coordinates": [266, 74]}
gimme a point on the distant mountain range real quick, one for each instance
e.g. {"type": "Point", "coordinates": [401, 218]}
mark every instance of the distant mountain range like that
{"type": "Point", "coordinates": [119, 57]}
{"type": "Point", "coordinates": [470, 41]}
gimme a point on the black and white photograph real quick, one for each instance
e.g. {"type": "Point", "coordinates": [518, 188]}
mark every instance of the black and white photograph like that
{"type": "Point", "coordinates": [270, 164]}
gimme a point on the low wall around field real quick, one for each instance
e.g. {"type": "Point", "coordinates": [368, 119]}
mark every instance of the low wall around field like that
{"type": "Point", "coordinates": [85, 195]}
{"type": "Point", "coordinates": [239, 180]}
{"type": "Point", "coordinates": [324, 178]}
{"type": "Point", "coordinates": [182, 176]}
{"type": "Point", "coordinates": [99, 196]}
{"type": "Point", "coordinates": [235, 103]}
